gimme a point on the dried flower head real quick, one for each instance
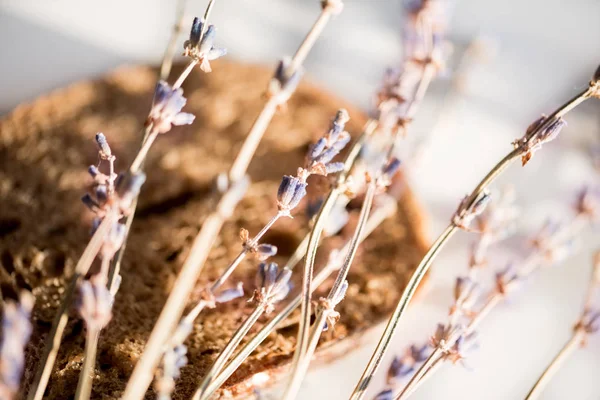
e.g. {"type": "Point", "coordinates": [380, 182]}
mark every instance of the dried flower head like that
{"type": "Point", "coordinates": [173, 360]}
{"type": "Point", "coordinates": [554, 242]}
{"type": "Point", "coordinates": [590, 321]}
{"type": "Point", "coordinates": [230, 294]}
{"type": "Point", "coordinates": [319, 156]}
{"type": "Point", "coordinates": [389, 170]}
{"type": "Point", "coordinates": [16, 330]}
{"type": "Point", "coordinates": [461, 348]}
{"type": "Point", "coordinates": [401, 367]}
{"type": "Point", "coordinates": [272, 285]}
{"type": "Point", "coordinates": [328, 306]}
{"type": "Point", "coordinates": [284, 82]}
{"type": "Point", "coordinates": [507, 279]}
{"type": "Point", "coordinates": [588, 202]}
{"type": "Point", "coordinates": [104, 150]}
{"type": "Point", "coordinates": [200, 45]}
{"type": "Point", "coordinates": [386, 394]}
{"type": "Point", "coordinates": [538, 133]}
{"type": "Point", "coordinates": [166, 108]}
{"type": "Point", "coordinates": [334, 6]}
{"type": "Point", "coordinates": [469, 209]}
{"type": "Point", "coordinates": [290, 192]}
{"type": "Point", "coordinates": [95, 303]}
{"type": "Point", "coordinates": [466, 295]}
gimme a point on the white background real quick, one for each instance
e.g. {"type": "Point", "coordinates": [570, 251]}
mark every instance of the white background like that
{"type": "Point", "coordinates": [545, 53]}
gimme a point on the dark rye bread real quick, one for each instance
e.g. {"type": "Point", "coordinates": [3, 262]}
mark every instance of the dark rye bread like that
{"type": "Point", "coordinates": [45, 148]}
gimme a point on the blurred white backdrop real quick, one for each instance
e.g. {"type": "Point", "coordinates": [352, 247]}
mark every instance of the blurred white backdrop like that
{"type": "Point", "coordinates": [545, 52]}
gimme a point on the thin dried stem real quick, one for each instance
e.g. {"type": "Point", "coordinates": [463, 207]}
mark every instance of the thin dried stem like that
{"type": "Point", "coordinates": [299, 369]}
{"type": "Point", "coordinates": [54, 338]}
{"type": "Point", "coordinates": [569, 347]}
{"type": "Point", "coordinates": [424, 265]}
{"type": "Point", "coordinates": [426, 368]}
{"type": "Point", "coordinates": [380, 214]}
{"type": "Point", "coordinates": [174, 307]}
{"type": "Point", "coordinates": [167, 63]}
{"type": "Point", "coordinates": [219, 363]}
{"type": "Point", "coordinates": [315, 237]}
{"type": "Point", "coordinates": [86, 376]}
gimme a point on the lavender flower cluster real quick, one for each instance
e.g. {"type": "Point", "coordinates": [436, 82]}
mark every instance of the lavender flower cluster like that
{"type": "Point", "coordinates": [16, 330]}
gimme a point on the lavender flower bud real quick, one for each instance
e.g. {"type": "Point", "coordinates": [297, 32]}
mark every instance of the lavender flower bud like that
{"type": "Point", "coordinates": [284, 82]}
{"type": "Point", "coordinates": [389, 170]}
{"type": "Point", "coordinates": [95, 303]}
{"type": "Point", "coordinates": [467, 211]}
{"type": "Point", "coordinates": [114, 240]}
{"type": "Point", "coordinates": [166, 108]}
{"type": "Point", "coordinates": [93, 171]}
{"type": "Point", "coordinates": [399, 369]}
{"type": "Point", "coordinates": [128, 189]}
{"type": "Point", "coordinates": [264, 251]}
{"type": "Point", "coordinates": [596, 77]}
{"type": "Point", "coordinates": [332, 168]}
{"type": "Point", "coordinates": [590, 321]}
{"type": "Point", "coordinates": [16, 330]}
{"type": "Point", "coordinates": [195, 32]}
{"type": "Point", "coordinates": [230, 294]}
{"type": "Point", "coordinates": [90, 202]}
{"type": "Point", "coordinates": [335, 6]}
{"type": "Point", "coordinates": [200, 47]}
{"type": "Point", "coordinates": [290, 192]}
{"type": "Point", "coordinates": [103, 147]}
{"type": "Point", "coordinates": [538, 133]}
{"type": "Point", "coordinates": [386, 394]}
{"type": "Point", "coordinates": [317, 148]}
{"type": "Point", "coordinates": [272, 285]}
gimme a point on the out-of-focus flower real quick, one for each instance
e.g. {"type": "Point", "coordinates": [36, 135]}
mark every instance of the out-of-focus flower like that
{"type": "Point", "coordinates": [200, 45]}
{"type": "Point", "coordinates": [166, 108]}
{"type": "Point", "coordinates": [272, 285]}
{"type": "Point", "coordinates": [95, 303]}
{"type": "Point", "coordinates": [538, 133]}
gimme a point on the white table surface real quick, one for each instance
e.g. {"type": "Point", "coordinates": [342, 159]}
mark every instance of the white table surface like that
{"type": "Point", "coordinates": [546, 51]}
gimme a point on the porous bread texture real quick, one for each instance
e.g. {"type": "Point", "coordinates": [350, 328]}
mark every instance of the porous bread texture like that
{"type": "Point", "coordinates": [45, 148]}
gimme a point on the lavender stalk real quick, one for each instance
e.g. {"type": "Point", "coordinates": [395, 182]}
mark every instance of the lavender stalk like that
{"type": "Point", "coordinates": [536, 135]}
{"type": "Point", "coordinates": [282, 87]}
{"type": "Point", "coordinates": [380, 214]}
{"type": "Point", "coordinates": [452, 341]}
{"type": "Point", "coordinates": [587, 325]}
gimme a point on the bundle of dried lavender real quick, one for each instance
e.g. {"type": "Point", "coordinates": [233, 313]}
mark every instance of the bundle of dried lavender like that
{"type": "Point", "coordinates": [540, 132]}
{"type": "Point", "coordinates": [282, 86]}
{"type": "Point", "coordinates": [398, 102]}
{"type": "Point", "coordinates": [114, 201]}
{"type": "Point", "coordinates": [588, 324]}
{"type": "Point", "coordinates": [16, 329]}
{"type": "Point", "coordinates": [453, 340]}
{"type": "Point", "coordinates": [292, 189]}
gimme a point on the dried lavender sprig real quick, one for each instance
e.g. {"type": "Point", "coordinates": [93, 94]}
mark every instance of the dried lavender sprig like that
{"type": "Point", "coordinates": [383, 211]}
{"type": "Point", "coordinates": [16, 330]}
{"type": "Point", "coordinates": [171, 313]}
{"type": "Point", "coordinates": [326, 313]}
{"type": "Point", "coordinates": [425, 263]}
{"type": "Point", "coordinates": [543, 253]}
{"type": "Point", "coordinates": [167, 62]}
{"type": "Point", "coordinates": [273, 285]}
{"type": "Point", "coordinates": [588, 324]}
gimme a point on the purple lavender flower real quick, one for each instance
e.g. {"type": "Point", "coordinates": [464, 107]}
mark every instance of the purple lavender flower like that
{"type": "Point", "coordinates": [284, 81]}
{"type": "Point", "coordinates": [388, 172]}
{"type": "Point", "coordinates": [173, 360]}
{"type": "Point", "coordinates": [166, 108]}
{"type": "Point", "coordinates": [590, 321]}
{"type": "Point", "coordinates": [128, 187]}
{"type": "Point", "coordinates": [465, 344]}
{"type": "Point", "coordinates": [403, 366]}
{"type": "Point", "coordinates": [318, 159]}
{"type": "Point", "coordinates": [228, 295]}
{"type": "Point", "coordinates": [538, 133]}
{"type": "Point", "coordinates": [466, 294]}
{"type": "Point", "coordinates": [95, 303]}
{"type": "Point", "coordinates": [290, 192]}
{"type": "Point", "coordinates": [104, 150]}
{"type": "Point", "coordinates": [264, 251]}
{"type": "Point", "coordinates": [272, 285]}
{"type": "Point", "coordinates": [506, 279]}
{"type": "Point", "coordinates": [200, 46]}
{"type": "Point", "coordinates": [468, 210]}
{"type": "Point", "coordinates": [386, 394]}
{"type": "Point", "coordinates": [16, 330]}
{"type": "Point", "coordinates": [588, 202]}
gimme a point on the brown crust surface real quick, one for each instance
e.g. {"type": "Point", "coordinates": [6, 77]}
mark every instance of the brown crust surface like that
{"type": "Point", "coordinates": [45, 148]}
